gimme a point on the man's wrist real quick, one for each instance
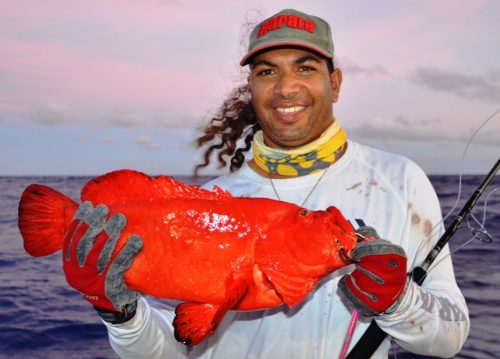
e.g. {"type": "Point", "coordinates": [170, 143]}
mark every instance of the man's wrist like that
{"type": "Point", "coordinates": [398, 304]}
{"type": "Point", "coordinates": [114, 317]}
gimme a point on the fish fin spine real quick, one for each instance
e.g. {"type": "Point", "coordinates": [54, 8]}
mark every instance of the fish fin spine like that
{"type": "Point", "coordinates": [125, 185]}
{"type": "Point", "coordinates": [44, 215]}
{"type": "Point", "coordinates": [221, 193]}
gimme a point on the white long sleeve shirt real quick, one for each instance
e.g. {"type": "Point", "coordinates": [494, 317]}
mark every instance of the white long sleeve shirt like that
{"type": "Point", "coordinates": [385, 191]}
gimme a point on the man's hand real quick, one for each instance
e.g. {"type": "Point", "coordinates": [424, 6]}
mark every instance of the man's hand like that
{"type": "Point", "coordinates": [380, 277]}
{"type": "Point", "coordinates": [89, 263]}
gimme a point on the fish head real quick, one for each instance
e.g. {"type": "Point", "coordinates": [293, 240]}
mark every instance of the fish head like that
{"type": "Point", "coordinates": [321, 238]}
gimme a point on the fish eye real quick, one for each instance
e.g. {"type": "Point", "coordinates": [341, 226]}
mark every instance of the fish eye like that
{"type": "Point", "coordinates": [304, 216]}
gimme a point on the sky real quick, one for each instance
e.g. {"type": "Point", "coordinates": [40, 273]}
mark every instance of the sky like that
{"type": "Point", "coordinates": [90, 86]}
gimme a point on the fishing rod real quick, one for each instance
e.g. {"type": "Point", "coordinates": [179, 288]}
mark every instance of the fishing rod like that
{"type": "Point", "coordinates": [374, 336]}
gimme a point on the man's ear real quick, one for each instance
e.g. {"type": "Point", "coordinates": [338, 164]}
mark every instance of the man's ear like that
{"type": "Point", "coordinates": [336, 81]}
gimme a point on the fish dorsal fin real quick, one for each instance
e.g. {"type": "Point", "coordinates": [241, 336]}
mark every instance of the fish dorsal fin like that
{"type": "Point", "coordinates": [121, 185]}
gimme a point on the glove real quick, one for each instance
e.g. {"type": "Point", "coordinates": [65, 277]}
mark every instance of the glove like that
{"type": "Point", "coordinates": [380, 277]}
{"type": "Point", "coordinates": [91, 267]}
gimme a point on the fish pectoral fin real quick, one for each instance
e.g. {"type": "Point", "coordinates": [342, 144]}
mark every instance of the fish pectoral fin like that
{"type": "Point", "coordinates": [291, 288]}
{"type": "Point", "coordinates": [194, 322]}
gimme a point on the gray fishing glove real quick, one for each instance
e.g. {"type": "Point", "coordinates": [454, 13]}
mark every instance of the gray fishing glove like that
{"type": "Point", "coordinates": [93, 269]}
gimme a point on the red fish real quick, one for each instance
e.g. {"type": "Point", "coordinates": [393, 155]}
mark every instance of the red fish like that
{"type": "Point", "coordinates": [209, 249]}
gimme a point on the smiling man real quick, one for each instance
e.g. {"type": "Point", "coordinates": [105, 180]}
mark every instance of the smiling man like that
{"type": "Point", "coordinates": [292, 94]}
{"type": "Point", "coordinates": [300, 154]}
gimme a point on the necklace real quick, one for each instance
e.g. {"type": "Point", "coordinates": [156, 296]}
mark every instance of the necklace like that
{"type": "Point", "coordinates": [310, 192]}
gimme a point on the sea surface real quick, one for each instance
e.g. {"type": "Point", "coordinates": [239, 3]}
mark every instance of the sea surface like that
{"type": "Point", "coordinates": [42, 317]}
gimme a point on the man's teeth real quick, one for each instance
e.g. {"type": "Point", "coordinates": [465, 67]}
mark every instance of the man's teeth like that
{"type": "Point", "coordinates": [289, 109]}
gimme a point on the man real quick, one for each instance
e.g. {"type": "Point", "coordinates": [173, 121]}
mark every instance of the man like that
{"type": "Point", "coordinates": [300, 154]}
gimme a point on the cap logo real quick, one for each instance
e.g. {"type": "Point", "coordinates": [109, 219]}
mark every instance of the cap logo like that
{"type": "Point", "coordinates": [292, 21]}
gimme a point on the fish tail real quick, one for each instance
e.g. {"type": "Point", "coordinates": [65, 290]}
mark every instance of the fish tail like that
{"type": "Point", "coordinates": [44, 215]}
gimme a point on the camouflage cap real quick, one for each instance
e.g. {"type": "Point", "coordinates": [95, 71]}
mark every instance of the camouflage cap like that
{"type": "Point", "coordinates": [291, 28]}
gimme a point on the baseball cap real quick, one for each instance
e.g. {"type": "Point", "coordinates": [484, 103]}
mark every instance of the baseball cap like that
{"type": "Point", "coordinates": [293, 28]}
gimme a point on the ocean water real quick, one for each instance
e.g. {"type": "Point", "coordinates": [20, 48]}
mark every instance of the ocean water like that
{"type": "Point", "coordinates": [42, 317]}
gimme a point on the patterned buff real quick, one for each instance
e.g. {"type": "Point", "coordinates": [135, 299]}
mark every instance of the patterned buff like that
{"type": "Point", "coordinates": [311, 158]}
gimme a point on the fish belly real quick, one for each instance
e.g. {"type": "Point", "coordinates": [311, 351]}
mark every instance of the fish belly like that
{"type": "Point", "coordinates": [189, 253]}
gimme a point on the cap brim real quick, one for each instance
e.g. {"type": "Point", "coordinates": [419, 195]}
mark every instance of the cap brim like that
{"type": "Point", "coordinates": [244, 61]}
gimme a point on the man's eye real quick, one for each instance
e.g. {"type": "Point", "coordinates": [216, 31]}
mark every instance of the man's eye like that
{"type": "Point", "coordinates": [306, 69]}
{"type": "Point", "coordinates": [266, 72]}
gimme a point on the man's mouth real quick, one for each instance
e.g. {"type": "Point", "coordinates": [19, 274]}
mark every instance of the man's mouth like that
{"type": "Point", "coordinates": [289, 110]}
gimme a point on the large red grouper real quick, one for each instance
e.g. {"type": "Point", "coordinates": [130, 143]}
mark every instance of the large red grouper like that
{"type": "Point", "coordinates": [213, 251]}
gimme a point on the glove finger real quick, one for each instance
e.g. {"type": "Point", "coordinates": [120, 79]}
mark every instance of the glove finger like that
{"type": "Point", "coordinates": [113, 228]}
{"type": "Point", "coordinates": [379, 246]}
{"type": "Point", "coordinates": [354, 293]}
{"type": "Point", "coordinates": [370, 275]}
{"type": "Point", "coordinates": [96, 220]}
{"type": "Point", "coordinates": [83, 211]}
{"type": "Point", "coordinates": [74, 227]}
{"type": "Point", "coordinates": [367, 232]}
{"type": "Point", "coordinates": [116, 289]}
{"type": "Point", "coordinates": [355, 288]}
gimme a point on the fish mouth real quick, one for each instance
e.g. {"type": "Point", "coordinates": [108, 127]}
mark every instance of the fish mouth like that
{"type": "Point", "coordinates": [344, 256]}
{"type": "Point", "coordinates": [342, 229]}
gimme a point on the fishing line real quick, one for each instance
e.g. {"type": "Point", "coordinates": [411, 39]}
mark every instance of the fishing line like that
{"type": "Point", "coordinates": [481, 234]}
{"type": "Point", "coordinates": [374, 336]}
{"type": "Point", "coordinates": [437, 226]}
{"type": "Point", "coordinates": [481, 225]}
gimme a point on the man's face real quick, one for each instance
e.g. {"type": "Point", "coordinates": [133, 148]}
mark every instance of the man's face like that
{"type": "Point", "coordinates": [292, 94]}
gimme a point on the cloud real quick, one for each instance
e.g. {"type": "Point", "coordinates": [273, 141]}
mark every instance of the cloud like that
{"type": "Point", "coordinates": [489, 138]}
{"type": "Point", "coordinates": [353, 68]}
{"type": "Point", "coordinates": [145, 142]}
{"type": "Point", "coordinates": [56, 114]}
{"type": "Point", "coordinates": [462, 85]}
{"type": "Point", "coordinates": [82, 138]}
{"type": "Point", "coordinates": [401, 128]}
{"type": "Point", "coordinates": [436, 130]}
{"type": "Point", "coordinates": [52, 114]}
{"type": "Point", "coordinates": [61, 115]}
{"type": "Point", "coordinates": [109, 140]}
{"type": "Point", "coordinates": [125, 119]}
{"type": "Point", "coordinates": [159, 2]}
{"type": "Point", "coordinates": [494, 75]}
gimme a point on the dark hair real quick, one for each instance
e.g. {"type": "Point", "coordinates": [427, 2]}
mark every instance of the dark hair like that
{"type": "Point", "coordinates": [235, 121]}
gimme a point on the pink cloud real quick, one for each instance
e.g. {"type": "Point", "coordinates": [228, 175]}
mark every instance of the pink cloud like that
{"type": "Point", "coordinates": [414, 33]}
{"type": "Point", "coordinates": [165, 13]}
{"type": "Point", "coordinates": [53, 53]}
{"type": "Point", "coordinates": [49, 72]}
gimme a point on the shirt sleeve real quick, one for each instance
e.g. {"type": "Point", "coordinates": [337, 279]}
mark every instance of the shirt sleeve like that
{"type": "Point", "coordinates": [149, 334]}
{"type": "Point", "coordinates": [432, 319]}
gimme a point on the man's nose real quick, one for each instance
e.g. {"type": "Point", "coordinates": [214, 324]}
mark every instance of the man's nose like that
{"type": "Point", "coordinates": [287, 84]}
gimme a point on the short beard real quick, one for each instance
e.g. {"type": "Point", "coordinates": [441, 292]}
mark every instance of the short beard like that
{"type": "Point", "coordinates": [284, 139]}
